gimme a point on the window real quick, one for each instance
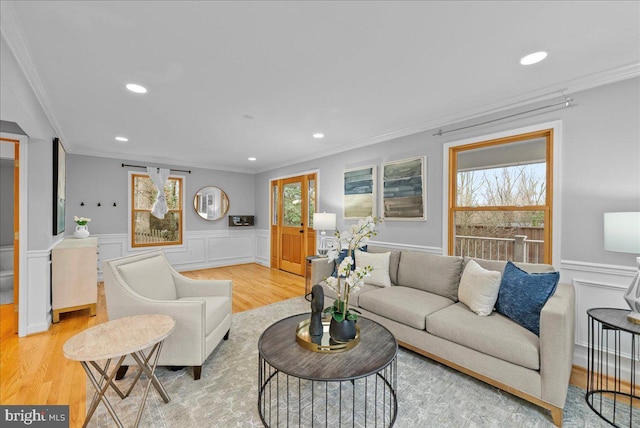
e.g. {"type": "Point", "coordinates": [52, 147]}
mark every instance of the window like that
{"type": "Point", "coordinates": [146, 229]}
{"type": "Point", "coordinates": [500, 198]}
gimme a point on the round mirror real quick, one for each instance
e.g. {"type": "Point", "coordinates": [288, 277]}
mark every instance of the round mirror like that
{"type": "Point", "coordinates": [211, 203]}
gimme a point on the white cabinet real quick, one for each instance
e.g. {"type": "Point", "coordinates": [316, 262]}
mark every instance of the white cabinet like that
{"type": "Point", "coordinates": [74, 276]}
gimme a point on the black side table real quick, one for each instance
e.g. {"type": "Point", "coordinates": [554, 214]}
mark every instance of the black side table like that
{"type": "Point", "coordinates": [611, 367]}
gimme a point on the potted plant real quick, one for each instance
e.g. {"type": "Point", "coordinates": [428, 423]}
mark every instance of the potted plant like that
{"type": "Point", "coordinates": [348, 278]}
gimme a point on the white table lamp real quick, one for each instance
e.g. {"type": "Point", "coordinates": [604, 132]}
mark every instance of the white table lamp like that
{"type": "Point", "coordinates": [324, 222]}
{"type": "Point", "coordinates": [622, 234]}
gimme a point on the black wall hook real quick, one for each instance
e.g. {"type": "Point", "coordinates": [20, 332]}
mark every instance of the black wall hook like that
{"type": "Point", "coordinates": [99, 204]}
{"type": "Point", "coordinates": [82, 204]}
{"type": "Point", "coordinates": [114, 204]}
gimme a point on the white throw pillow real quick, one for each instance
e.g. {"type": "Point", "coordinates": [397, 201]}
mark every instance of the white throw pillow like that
{"type": "Point", "coordinates": [479, 288]}
{"type": "Point", "coordinates": [380, 264]}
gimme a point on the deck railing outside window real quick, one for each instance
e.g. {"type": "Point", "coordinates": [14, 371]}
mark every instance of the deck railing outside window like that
{"type": "Point", "coordinates": [517, 249]}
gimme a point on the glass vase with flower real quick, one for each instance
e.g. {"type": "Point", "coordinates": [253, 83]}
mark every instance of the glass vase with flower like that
{"type": "Point", "coordinates": [348, 278]}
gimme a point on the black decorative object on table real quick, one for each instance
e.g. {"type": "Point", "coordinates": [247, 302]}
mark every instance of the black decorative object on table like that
{"type": "Point", "coordinates": [317, 305]}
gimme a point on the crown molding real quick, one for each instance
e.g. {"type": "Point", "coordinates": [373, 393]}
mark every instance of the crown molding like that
{"type": "Point", "coordinates": [17, 42]}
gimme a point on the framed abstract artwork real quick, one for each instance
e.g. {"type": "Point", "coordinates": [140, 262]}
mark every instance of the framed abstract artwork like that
{"type": "Point", "coordinates": [360, 192]}
{"type": "Point", "coordinates": [404, 189]}
{"type": "Point", "coordinates": [59, 186]}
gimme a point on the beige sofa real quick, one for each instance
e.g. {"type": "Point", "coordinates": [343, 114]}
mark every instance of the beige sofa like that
{"type": "Point", "coordinates": [422, 310]}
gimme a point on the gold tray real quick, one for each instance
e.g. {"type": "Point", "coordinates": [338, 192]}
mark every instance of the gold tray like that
{"type": "Point", "coordinates": [326, 345]}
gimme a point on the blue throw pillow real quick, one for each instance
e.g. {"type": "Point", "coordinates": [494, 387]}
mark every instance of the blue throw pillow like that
{"type": "Point", "coordinates": [522, 295]}
{"type": "Point", "coordinates": [344, 253]}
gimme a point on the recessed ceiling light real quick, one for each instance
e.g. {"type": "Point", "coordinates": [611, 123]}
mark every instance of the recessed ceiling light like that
{"type": "Point", "coordinates": [318, 135]}
{"type": "Point", "coordinates": [533, 58]}
{"type": "Point", "coordinates": [136, 88]}
{"type": "Point", "coordinates": [251, 159]}
{"type": "Point", "coordinates": [123, 139]}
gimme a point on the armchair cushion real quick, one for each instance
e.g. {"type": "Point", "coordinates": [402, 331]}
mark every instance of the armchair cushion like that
{"type": "Point", "coordinates": [150, 278]}
{"type": "Point", "coordinates": [216, 309]}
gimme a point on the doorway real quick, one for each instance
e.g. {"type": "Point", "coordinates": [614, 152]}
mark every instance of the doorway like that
{"type": "Point", "coordinates": [293, 202]}
{"type": "Point", "coordinates": [9, 234]}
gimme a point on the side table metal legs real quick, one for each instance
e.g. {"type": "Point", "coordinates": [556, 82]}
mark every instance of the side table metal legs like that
{"type": "Point", "coordinates": [289, 401]}
{"type": "Point", "coordinates": [611, 374]}
{"type": "Point", "coordinates": [105, 380]}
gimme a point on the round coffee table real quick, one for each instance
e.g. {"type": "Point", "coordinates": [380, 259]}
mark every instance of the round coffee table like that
{"type": "Point", "coordinates": [300, 387]}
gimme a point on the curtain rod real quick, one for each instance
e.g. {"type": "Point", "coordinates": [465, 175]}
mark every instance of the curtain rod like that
{"type": "Point", "coordinates": [140, 166]}
{"type": "Point", "coordinates": [567, 103]}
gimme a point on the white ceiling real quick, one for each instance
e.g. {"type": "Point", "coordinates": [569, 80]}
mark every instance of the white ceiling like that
{"type": "Point", "coordinates": [359, 71]}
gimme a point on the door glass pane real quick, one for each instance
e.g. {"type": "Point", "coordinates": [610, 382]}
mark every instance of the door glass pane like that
{"type": "Point", "coordinates": [274, 219]}
{"type": "Point", "coordinates": [500, 235]}
{"type": "Point", "coordinates": [292, 201]}
{"type": "Point", "coordinates": [312, 202]}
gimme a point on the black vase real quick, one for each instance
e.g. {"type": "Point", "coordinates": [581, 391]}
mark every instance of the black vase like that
{"type": "Point", "coordinates": [342, 331]}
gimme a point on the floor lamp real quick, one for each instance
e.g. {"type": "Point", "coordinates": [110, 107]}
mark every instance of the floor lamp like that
{"type": "Point", "coordinates": [323, 222]}
{"type": "Point", "coordinates": [622, 234]}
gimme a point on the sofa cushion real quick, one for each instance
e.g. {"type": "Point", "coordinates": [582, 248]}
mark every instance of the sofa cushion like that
{"type": "Point", "coordinates": [430, 272]}
{"type": "Point", "coordinates": [354, 297]}
{"type": "Point", "coordinates": [394, 260]}
{"type": "Point", "coordinates": [522, 295]}
{"type": "Point", "coordinates": [379, 263]}
{"type": "Point", "coordinates": [403, 304]}
{"type": "Point", "coordinates": [216, 309]}
{"type": "Point", "coordinates": [150, 277]}
{"type": "Point", "coordinates": [479, 288]}
{"type": "Point", "coordinates": [494, 335]}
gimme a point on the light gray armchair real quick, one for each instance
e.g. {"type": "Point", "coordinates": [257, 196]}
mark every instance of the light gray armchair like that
{"type": "Point", "coordinates": [147, 284]}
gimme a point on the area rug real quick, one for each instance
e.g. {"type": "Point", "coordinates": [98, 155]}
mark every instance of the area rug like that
{"type": "Point", "coordinates": [429, 394]}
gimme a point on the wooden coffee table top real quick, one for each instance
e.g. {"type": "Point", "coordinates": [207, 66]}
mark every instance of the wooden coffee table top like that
{"type": "Point", "coordinates": [376, 350]}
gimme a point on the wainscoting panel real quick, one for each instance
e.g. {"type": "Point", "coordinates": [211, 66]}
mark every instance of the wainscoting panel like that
{"type": "Point", "coordinates": [37, 292]}
{"type": "Point", "coordinates": [596, 286]}
{"type": "Point", "coordinates": [227, 250]}
{"type": "Point", "coordinates": [263, 247]}
{"type": "Point", "coordinates": [200, 250]}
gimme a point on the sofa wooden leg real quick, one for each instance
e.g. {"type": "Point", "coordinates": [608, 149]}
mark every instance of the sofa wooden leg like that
{"type": "Point", "coordinates": [121, 372]}
{"type": "Point", "coordinates": [556, 415]}
{"type": "Point", "coordinates": [226, 336]}
{"type": "Point", "coordinates": [197, 372]}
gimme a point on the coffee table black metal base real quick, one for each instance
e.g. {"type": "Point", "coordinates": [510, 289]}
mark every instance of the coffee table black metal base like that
{"type": "Point", "coordinates": [298, 387]}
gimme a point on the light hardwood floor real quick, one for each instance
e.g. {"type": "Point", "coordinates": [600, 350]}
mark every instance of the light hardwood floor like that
{"type": "Point", "coordinates": [33, 369]}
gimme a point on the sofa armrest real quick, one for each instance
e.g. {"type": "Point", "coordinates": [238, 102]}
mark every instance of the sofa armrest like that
{"type": "Point", "coordinates": [187, 287]}
{"type": "Point", "coordinates": [320, 269]}
{"type": "Point", "coordinates": [557, 340]}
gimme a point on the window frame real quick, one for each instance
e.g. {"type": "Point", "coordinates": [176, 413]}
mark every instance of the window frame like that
{"type": "Point", "coordinates": [131, 214]}
{"type": "Point", "coordinates": [554, 129]}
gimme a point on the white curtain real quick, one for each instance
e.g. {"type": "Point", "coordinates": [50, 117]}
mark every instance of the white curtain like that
{"type": "Point", "coordinates": [159, 176]}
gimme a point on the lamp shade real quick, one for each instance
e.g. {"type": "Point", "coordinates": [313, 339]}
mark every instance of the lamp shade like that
{"type": "Point", "coordinates": [622, 232]}
{"type": "Point", "coordinates": [324, 221]}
